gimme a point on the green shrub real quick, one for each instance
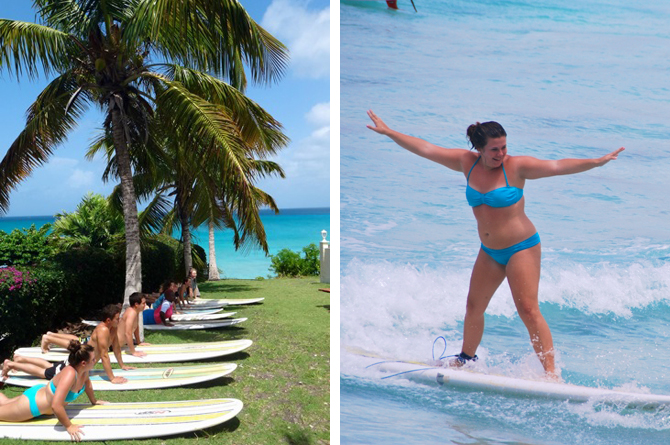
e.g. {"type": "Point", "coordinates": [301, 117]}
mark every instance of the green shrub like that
{"type": "Point", "coordinates": [32, 301]}
{"type": "Point", "coordinates": [25, 247]}
{"type": "Point", "coordinates": [95, 277]}
{"type": "Point", "coordinates": [288, 263]}
{"type": "Point", "coordinates": [310, 264]}
{"type": "Point", "coordinates": [159, 261]}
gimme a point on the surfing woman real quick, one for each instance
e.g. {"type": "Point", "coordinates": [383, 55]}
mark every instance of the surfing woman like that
{"type": "Point", "coordinates": [65, 387]}
{"type": "Point", "coordinates": [510, 244]}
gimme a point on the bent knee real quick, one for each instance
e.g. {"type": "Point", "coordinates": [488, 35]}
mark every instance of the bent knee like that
{"type": "Point", "coordinates": [529, 311]}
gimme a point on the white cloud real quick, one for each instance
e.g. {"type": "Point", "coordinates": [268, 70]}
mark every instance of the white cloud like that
{"type": "Point", "coordinates": [310, 157]}
{"type": "Point", "coordinates": [80, 179]}
{"type": "Point", "coordinates": [319, 114]}
{"type": "Point", "coordinates": [305, 32]}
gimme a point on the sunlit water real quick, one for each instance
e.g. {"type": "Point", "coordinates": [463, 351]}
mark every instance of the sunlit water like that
{"type": "Point", "coordinates": [565, 79]}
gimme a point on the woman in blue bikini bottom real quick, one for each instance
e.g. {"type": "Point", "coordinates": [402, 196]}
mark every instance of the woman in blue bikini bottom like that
{"type": "Point", "coordinates": [502, 256]}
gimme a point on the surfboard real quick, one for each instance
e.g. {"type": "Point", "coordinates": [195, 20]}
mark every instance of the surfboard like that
{"type": "Point", "coordinates": [142, 378]}
{"type": "Point", "coordinates": [115, 421]}
{"type": "Point", "coordinates": [166, 353]}
{"type": "Point", "coordinates": [469, 379]}
{"type": "Point", "coordinates": [201, 317]}
{"type": "Point", "coordinates": [200, 311]}
{"type": "Point", "coordinates": [205, 304]}
{"type": "Point", "coordinates": [181, 317]}
{"type": "Point", "coordinates": [190, 325]}
{"type": "Point", "coordinates": [232, 301]}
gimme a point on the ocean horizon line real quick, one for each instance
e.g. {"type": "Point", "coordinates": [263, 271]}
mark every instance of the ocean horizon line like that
{"type": "Point", "coordinates": [287, 211]}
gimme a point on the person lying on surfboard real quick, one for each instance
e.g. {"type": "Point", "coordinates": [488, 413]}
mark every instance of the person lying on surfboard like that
{"type": "Point", "coordinates": [129, 324]}
{"type": "Point", "coordinates": [510, 244]}
{"type": "Point", "coordinates": [64, 388]}
{"type": "Point", "coordinates": [103, 339]}
{"type": "Point", "coordinates": [163, 313]}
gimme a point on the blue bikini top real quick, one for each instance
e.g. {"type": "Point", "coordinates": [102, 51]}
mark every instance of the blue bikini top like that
{"type": "Point", "coordinates": [71, 395]}
{"type": "Point", "coordinates": [500, 197]}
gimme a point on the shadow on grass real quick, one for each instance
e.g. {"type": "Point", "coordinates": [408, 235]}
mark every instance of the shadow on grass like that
{"type": "Point", "coordinates": [222, 286]}
{"type": "Point", "coordinates": [198, 336]}
{"type": "Point", "coordinates": [298, 438]}
{"type": "Point", "coordinates": [221, 381]}
{"type": "Point", "coordinates": [325, 306]}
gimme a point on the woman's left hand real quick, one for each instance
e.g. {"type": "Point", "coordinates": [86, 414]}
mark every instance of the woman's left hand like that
{"type": "Point", "coordinates": [101, 402]}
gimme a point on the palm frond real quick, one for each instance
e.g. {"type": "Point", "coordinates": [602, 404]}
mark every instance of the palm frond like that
{"type": "Point", "coordinates": [259, 129]}
{"type": "Point", "coordinates": [47, 126]}
{"type": "Point", "coordinates": [153, 218]}
{"type": "Point", "coordinates": [210, 36]}
{"type": "Point", "coordinates": [28, 48]}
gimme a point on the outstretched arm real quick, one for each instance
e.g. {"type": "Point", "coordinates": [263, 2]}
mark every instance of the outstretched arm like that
{"type": "Point", "coordinates": [449, 157]}
{"type": "Point", "coordinates": [532, 168]}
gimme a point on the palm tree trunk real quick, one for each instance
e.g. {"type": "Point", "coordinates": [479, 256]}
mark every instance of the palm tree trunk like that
{"type": "Point", "coordinates": [213, 270]}
{"type": "Point", "coordinates": [132, 225]}
{"type": "Point", "coordinates": [186, 239]}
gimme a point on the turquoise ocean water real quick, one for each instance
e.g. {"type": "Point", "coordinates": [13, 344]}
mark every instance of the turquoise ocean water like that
{"type": "Point", "coordinates": [565, 79]}
{"type": "Point", "coordinates": [291, 229]}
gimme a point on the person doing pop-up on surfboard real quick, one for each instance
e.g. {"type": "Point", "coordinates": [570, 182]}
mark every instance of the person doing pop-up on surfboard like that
{"type": "Point", "coordinates": [510, 244]}
{"type": "Point", "coordinates": [52, 397]}
{"type": "Point", "coordinates": [103, 339]}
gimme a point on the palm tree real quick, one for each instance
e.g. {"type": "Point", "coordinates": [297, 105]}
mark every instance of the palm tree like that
{"type": "Point", "coordinates": [128, 57]}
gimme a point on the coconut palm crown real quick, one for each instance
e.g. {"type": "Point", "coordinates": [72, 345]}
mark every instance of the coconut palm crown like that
{"type": "Point", "coordinates": [128, 58]}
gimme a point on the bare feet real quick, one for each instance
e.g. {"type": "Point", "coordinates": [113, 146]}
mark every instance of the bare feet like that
{"type": "Point", "coordinates": [44, 344]}
{"type": "Point", "coordinates": [5, 370]}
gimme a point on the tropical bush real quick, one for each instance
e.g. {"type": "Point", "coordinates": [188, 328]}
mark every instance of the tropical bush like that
{"type": "Point", "coordinates": [159, 261]}
{"type": "Point", "coordinates": [32, 301]}
{"type": "Point", "coordinates": [25, 247]}
{"type": "Point", "coordinates": [94, 223]}
{"type": "Point", "coordinates": [287, 263]}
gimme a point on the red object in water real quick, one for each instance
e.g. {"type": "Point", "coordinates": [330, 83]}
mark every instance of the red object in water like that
{"type": "Point", "coordinates": [393, 4]}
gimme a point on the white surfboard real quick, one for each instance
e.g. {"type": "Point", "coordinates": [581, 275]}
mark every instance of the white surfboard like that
{"type": "Point", "coordinates": [166, 353]}
{"type": "Point", "coordinates": [472, 380]}
{"type": "Point", "coordinates": [117, 421]}
{"type": "Point", "coordinates": [200, 310]}
{"type": "Point", "coordinates": [181, 317]}
{"type": "Point", "coordinates": [142, 378]}
{"type": "Point", "coordinates": [201, 317]}
{"type": "Point", "coordinates": [203, 302]}
{"type": "Point", "coordinates": [190, 325]}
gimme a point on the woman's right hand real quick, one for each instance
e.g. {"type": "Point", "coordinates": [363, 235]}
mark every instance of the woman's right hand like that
{"type": "Point", "coordinates": [611, 157]}
{"type": "Point", "coordinates": [75, 432]}
{"type": "Point", "coordinates": [380, 127]}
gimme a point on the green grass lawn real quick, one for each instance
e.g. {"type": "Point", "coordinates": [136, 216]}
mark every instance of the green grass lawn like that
{"type": "Point", "coordinates": [282, 379]}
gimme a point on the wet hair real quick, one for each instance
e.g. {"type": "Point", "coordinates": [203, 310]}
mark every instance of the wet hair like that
{"type": "Point", "coordinates": [109, 311]}
{"type": "Point", "coordinates": [479, 134]}
{"type": "Point", "coordinates": [78, 352]}
{"type": "Point", "coordinates": [135, 298]}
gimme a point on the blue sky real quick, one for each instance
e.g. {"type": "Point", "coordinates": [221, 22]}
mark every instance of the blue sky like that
{"type": "Point", "coordinates": [300, 101]}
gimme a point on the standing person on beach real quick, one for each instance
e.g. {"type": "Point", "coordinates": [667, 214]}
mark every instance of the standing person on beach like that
{"type": "Point", "coordinates": [510, 244]}
{"type": "Point", "coordinates": [52, 397]}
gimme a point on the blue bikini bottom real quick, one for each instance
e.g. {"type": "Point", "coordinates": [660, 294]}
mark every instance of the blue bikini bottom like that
{"type": "Point", "coordinates": [502, 256]}
{"type": "Point", "coordinates": [31, 393]}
